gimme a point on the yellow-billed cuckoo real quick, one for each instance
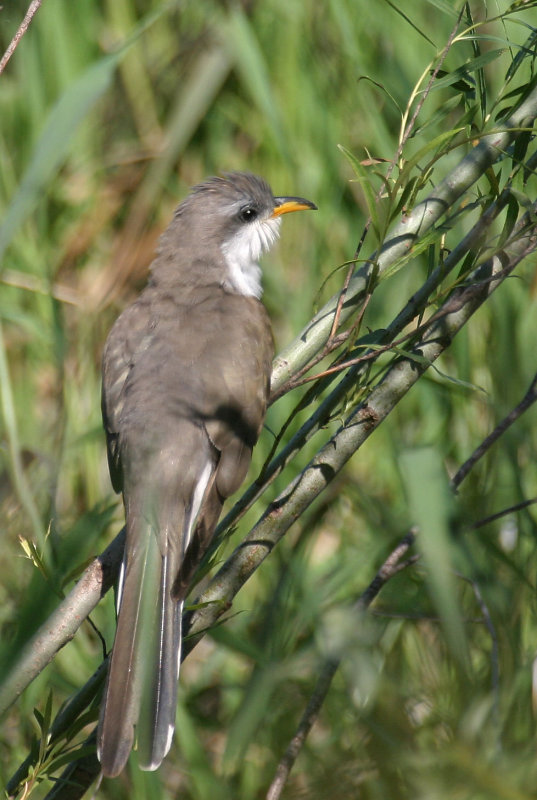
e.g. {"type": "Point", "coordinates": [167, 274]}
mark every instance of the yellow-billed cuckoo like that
{"type": "Point", "coordinates": [186, 372]}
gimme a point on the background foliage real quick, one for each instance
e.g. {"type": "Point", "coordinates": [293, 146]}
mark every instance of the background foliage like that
{"type": "Point", "coordinates": [109, 111]}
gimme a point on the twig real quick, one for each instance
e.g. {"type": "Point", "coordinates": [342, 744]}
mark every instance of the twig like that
{"type": "Point", "coordinates": [527, 401]}
{"type": "Point", "coordinates": [341, 300]}
{"type": "Point", "coordinates": [504, 512]}
{"type": "Point", "coordinates": [25, 24]}
{"type": "Point", "coordinates": [332, 344]}
{"type": "Point", "coordinates": [391, 567]}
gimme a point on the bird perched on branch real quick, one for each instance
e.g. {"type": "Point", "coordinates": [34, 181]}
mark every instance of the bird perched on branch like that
{"type": "Point", "coordinates": [186, 373]}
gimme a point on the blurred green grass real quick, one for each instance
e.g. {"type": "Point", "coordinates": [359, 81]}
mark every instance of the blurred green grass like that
{"type": "Point", "coordinates": [109, 111]}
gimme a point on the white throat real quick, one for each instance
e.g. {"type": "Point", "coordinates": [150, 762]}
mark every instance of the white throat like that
{"type": "Point", "coordinates": [242, 253]}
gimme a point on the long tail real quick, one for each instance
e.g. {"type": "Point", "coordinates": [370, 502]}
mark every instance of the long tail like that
{"type": "Point", "coordinates": [141, 689]}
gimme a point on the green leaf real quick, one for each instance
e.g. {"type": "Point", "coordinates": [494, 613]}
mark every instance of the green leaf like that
{"type": "Point", "coordinates": [445, 7]}
{"type": "Point", "coordinates": [201, 773]}
{"type": "Point", "coordinates": [364, 180]}
{"type": "Point", "coordinates": [253, 69]}
{"type": "Point", "coordinates": [510, 220]}
{"type": "Point", "coordinates": [471, 66]}
{"type": "Point", "coordinates": [53, 144]}
{"type": "Point", "coordinates": [256, 701]}
{"type": "Point", "coordinates": [62, 123]}
{"type": "Point", "coordinates": [526, 50]}
{"type": "Point", "coordinates": [69, 757]}
{"type": "Point", "coordinates": [429, 500]}
{"type": "Point", "coordinates": [407, 19]}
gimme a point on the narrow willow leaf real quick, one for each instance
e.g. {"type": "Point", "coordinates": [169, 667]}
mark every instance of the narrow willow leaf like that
{"type": "Point", "coordinates": [471, 66]}
{"type": "Point", "coordinates": [446, 7]}
{"type": "Point", "coordinates": [397, 9]}
{"type": "Point", "coordinates": [406, 199]}
{"type": "Point", "coordinates": [365, 182]}
{"type": "Point", "coordinates": [69, 757]}
{"type": "Point", "coordinates": [510, 220]}
{"type": "Point", "coordinates": [527, 50]}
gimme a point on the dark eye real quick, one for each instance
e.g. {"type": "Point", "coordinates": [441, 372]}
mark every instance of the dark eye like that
{"type": "Point", "coordinates": [248, 214]}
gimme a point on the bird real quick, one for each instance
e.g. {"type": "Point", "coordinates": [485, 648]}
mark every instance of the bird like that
{"type": "Point", "coordinates": [185, 385]}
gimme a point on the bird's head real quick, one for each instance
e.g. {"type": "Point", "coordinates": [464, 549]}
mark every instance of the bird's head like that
{"type": "Point", "coordinates": [235, 218]}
